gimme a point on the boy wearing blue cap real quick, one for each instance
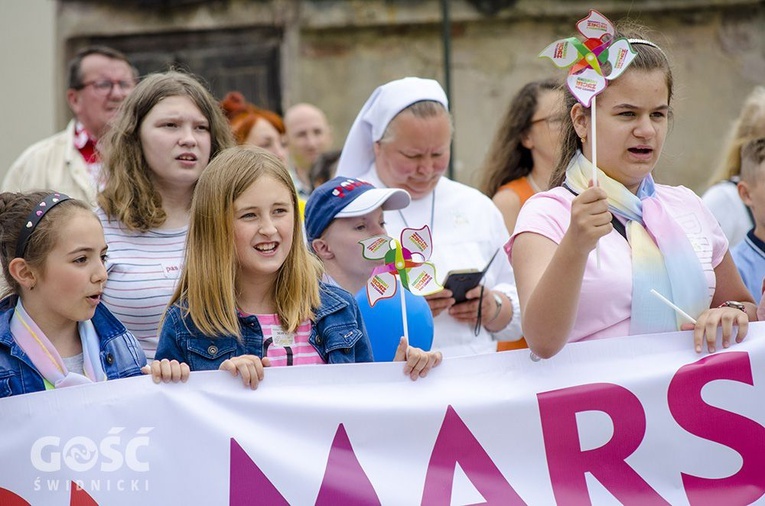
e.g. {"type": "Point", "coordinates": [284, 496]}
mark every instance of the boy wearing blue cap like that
{"type": "Point", "coordinates": [339, 214]}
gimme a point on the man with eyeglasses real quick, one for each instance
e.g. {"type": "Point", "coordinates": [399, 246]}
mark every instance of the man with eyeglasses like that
{"type": "Point", "coordinates": [99, 80]}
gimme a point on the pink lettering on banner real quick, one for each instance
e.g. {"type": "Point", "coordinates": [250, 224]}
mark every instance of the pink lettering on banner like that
{"type": "Point", "coordinates": [345, 482]}
{"type": "Point", "coordinates": [567, 462]}
{"type": "Point", "coordinates": [247, 481]}
{"type": "Point", "coordinates": [737, 432]}
{"type": "Point", "coordinates": [455, 443]}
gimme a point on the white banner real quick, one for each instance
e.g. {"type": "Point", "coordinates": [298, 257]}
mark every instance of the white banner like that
{"type": "Point", "coordinates": [636, 420]}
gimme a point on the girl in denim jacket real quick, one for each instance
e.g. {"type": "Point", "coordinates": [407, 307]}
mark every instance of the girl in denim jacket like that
{"type": "Point", "coordinates": [54, 331]}
{"type": "Point", "coordinates": [249, 295]}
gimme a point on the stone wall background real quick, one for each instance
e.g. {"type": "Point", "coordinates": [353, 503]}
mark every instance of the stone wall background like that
{"type": "Point", "coordinates": [335, 52]}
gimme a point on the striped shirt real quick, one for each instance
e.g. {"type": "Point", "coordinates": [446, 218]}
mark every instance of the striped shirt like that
{"type": "Point", "coordinates": [143, 269]}
{"type": "Point", "coordinates": [285, 348]}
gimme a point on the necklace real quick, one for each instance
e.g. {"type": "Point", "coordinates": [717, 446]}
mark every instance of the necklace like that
{"type": "Point", "coordinates": [432, 211]}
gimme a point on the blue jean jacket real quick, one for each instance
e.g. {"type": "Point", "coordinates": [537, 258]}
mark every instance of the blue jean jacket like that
{"type": "Point", "coordinates": [338, 335]}
{"type": "Point", "coordinates": [121, 355]}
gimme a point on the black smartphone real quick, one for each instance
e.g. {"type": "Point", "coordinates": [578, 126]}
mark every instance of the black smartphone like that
{"type": "Point", "coordinates": [460, 282]}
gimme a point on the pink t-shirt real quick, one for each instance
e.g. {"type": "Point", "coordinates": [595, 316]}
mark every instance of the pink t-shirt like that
{"type": "Point", "coordinates": [287, 348]}
{"type": "Point", "coordinates": [605, 303]}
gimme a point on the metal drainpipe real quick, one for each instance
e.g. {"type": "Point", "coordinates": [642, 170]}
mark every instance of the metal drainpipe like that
{"type": "Point", "coordinates": [446, 35]}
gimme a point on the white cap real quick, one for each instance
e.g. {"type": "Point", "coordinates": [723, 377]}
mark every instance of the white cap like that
{"type": "Point", "coordinates": [389, 199]}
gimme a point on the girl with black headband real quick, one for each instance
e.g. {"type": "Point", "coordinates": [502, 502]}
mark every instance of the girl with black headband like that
{"type": "Point", "coordinates": [54, 330]}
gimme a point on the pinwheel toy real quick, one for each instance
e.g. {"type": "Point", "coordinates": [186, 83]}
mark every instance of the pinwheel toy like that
{"type": "Point", "coordinates": [406, 264]}
{"type": "Point", "coordinates": [594, 62]}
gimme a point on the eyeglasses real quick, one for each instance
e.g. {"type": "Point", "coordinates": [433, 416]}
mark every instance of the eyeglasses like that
{"type": "Point", "coordinates": [553, 121]}
{"type": "Point", "coordinates": [104, 87]}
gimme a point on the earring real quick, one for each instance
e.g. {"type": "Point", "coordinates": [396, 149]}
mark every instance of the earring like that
{"type": "Point", "coordinates": [583, 138]}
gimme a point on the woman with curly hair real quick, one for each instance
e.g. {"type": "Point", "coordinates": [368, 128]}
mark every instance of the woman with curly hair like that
{"type": "Point", "coordinates": [525, 148]}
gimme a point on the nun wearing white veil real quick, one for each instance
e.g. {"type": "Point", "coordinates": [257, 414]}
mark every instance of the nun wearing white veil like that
{"type": "Point", "coordinates": [401, 139]}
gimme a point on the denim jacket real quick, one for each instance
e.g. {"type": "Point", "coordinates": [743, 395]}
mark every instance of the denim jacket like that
{"type": "Point", "coordinates": [337, 333]}
{"type": "Point", "coordinates": [121, 355]}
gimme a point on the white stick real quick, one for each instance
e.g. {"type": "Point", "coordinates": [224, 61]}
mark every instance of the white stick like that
{"type": "Point", "coordinates": [594, 137]}
{"type": "Point", "coordinates": [404, 320]}
{"type": "Point", "coordinates": [593, 109]}
{"type": "Point", "coordinates": [679, 311]}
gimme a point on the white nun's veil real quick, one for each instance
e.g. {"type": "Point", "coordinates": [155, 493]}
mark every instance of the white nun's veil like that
{"type": "Point", "coordinates": [383, 105]}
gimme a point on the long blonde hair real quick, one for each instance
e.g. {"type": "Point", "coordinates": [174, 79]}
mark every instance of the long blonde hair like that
{"type": "Point", "coordinates": [129, 194]}
{"type": "Point", "coordinates": [207, 286]}
{"type": "Point", "coordinates": [749, 125]}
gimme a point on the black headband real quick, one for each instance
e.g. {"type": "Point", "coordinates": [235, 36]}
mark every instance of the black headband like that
{"type": "Point", "coordinates": [33, 219]}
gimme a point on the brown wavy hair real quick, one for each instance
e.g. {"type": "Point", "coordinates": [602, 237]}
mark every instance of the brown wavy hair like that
{"type": "Point", "coordinates": [508, 159]}
{"type": "Point", "coordinates": [129, 194]}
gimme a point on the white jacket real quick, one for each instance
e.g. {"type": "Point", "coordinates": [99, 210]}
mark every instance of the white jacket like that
{"type": "Point", "coordinates": [52, 164]}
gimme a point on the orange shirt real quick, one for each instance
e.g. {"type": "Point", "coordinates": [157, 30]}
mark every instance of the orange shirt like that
{"type": "Point", "coordinates": [523, 189]}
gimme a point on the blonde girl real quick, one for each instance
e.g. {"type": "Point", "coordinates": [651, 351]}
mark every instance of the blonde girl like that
{"type": "Point", "coordinates": [249, 294]}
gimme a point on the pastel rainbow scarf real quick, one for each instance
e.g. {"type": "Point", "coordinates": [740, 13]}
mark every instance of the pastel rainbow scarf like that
{"type": "Point", "coordinates": [662, 256]}
{"type": "Point", "coordinates": [46, 359]}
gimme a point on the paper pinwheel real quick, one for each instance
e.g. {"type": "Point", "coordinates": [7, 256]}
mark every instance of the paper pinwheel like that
{"type": "Point", "coordinates": [594, 62]}
{"type": "Point", "coordinates": [406, 259]}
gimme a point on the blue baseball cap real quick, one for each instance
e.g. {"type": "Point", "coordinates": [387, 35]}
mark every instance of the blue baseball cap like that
{"type": "Point", "coordinates": [346, 197]}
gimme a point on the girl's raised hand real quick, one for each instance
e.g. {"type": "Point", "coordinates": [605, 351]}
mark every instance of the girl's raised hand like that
{"type": "Point", "coordinates": [418, 362]}
{"type": "Point", "coordinates": [590, 219]}
{"type": "Point", "coordinates": [167, 370]}
{"type": "Point", "coordinates": [249, 367]}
